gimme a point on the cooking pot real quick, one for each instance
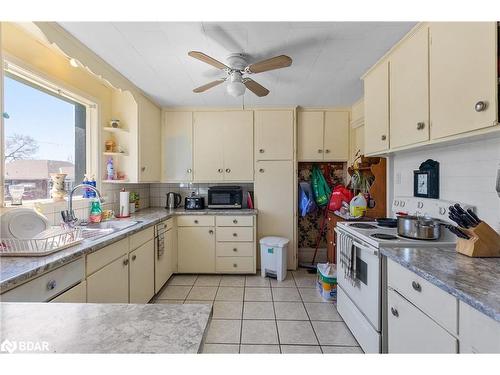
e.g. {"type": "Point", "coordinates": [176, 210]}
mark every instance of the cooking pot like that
{"type": "Point", "coordinates": [419, 227]}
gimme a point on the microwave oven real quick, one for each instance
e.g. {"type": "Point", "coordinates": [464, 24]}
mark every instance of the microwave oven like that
{"type": "Point", "coordinates": [225, 197]}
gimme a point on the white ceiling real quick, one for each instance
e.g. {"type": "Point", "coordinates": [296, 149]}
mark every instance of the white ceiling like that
{"type": "Point", "coordinates": [328, 58]}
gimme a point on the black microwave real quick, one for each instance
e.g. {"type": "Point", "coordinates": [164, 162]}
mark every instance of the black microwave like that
{"type": "Point", "coordinates": [225, 197]}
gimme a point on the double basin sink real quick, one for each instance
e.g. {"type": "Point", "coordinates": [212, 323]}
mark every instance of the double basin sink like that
{"type": "Point", "coordinates": [93, 231]}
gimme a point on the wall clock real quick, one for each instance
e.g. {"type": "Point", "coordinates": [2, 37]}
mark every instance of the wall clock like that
{"type": "Point", "coordinates": [426, 180]}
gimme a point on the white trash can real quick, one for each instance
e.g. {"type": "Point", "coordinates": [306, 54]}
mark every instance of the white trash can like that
{"type": "Point", "coordinates": [273, 257]}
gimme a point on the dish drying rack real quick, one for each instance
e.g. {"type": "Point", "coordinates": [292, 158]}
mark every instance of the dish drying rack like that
{"type": "Point", "coordinates": [47, 242]}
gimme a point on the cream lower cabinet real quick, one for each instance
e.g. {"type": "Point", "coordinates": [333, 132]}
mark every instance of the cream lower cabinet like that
{"type": "Point", "coordinates": [110, 283]}
{"type": "Point", "coordinates": [77, 294]}
{"type": "Point", "coordinates": [177, 147]}
{"type": "Point", "coordinates": [196, 249]}
{"type": "Point", "coordinates": [274, 135]}
{"type": "Point", "coordinates": [478, 333]}
{"type": "Point", "coordinates": [274, 198]}
{"type": "Point", "coordinates": [141, 273]}
{"type": "Point", "coordinates": [164, 259]}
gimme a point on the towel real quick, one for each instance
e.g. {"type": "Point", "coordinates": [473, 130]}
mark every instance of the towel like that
{"type": "Point", "coordinates": [348, 253]}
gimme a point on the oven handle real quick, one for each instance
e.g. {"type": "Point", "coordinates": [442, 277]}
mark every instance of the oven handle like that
{"type": "Point", "coordinates": [362, 247]}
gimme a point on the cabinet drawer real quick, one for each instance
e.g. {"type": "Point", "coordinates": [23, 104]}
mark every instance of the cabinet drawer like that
{"type": "Point", "coordinates": [77, 294]}
{"type": "Point", "coordinates": [235, 249]}
{"type": "Point", "coordinates": [436, 303]}
{"type": "Point", "coordinates": [234, 264]}
{"type": "Point", "coordinates": [195, 221]}
{"type": "Point", "coordinates": [106, 255]}
{"type": "Point", "coordinates": [234, 221]}
{"type": "Point", "coordinates": [235, 234]}
{"type": "Point", "coordinates": [409, 330]}
{"type": "Point", "coordinates": [141, 237]}
{"type": "Point", "coordinates": [47, 286]}
{"type": "Point", "coordinates": [169, 224]}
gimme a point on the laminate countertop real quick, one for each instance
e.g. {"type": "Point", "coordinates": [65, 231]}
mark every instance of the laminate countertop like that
{"type": "Point", "coordinates": [103, 328]}
{"type": "Point", "coordinates": [475, 281]}
{"type": "Point", "coordinates": [17, 270]}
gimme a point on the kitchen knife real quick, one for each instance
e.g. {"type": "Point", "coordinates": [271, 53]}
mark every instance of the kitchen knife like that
{"type": "Point", "coordinates": [467, 217]}
{"type": "Point", "coordinates": [456, 231]}
{"type": "Point", "coordinates": [474, 216]}
{"type": "Point", "coordinates": [467, 221]}
{"type": "Point", "coordinates": [457, 220]}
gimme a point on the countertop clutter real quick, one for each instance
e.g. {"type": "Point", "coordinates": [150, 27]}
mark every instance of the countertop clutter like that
{"type": "Point", "coordinates": [472, 280]}
{"type": "Point", "coordinates": [105, 328]}
{"type": "Point", "coordinates": [16, 270]}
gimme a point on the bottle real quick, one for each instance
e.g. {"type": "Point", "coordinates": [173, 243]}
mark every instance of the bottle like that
{"type": "Point", "coordinates": [110, 169]}
{"type": "Point", "coordinates": [95, 212]}
{"type": "Point", "coordinates": [358, 205]}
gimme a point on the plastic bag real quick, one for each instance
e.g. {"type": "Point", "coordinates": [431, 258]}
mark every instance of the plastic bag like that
{"type": "Point", "coordinates": [340, 194]}
{"type": "Point", "coordinates": [306, 199]}
{"type": "Point", "coordinates": [320, 188]}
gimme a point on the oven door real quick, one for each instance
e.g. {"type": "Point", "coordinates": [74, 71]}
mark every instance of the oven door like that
{"type": "Point", "coordinates": [364, 290]}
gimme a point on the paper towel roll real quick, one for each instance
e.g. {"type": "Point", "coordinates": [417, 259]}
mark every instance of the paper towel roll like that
{"type": "Point", "coordinates": [124, 203]}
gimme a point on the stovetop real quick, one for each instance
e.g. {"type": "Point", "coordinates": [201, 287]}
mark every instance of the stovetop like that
{"type": "Point", "coordinates": [378, 236]}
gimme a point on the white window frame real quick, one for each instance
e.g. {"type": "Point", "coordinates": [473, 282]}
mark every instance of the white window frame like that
{"type": "Point", "coordinates": [22, 70]}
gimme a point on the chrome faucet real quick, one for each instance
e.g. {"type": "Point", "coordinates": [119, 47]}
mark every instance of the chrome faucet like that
{"type": "Point", "coordinates": [68, 216]}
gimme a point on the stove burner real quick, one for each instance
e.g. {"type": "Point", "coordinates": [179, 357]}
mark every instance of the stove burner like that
{"type": "Point", "coordinates": [383, 236]}
{"type": "Point", "coordinates": [362, 226]}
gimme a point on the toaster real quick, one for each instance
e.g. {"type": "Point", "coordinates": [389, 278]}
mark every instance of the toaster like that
{"type": "Point", "coordinates": [194, 203]}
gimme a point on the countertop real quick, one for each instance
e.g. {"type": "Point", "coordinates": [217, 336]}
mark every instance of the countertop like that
{"type": "Point", "coordinates": [475, 281]}
{"type": "Point", "coordinates": [16, 270]}
{"type": "Point", "coordinates": [104, 328]}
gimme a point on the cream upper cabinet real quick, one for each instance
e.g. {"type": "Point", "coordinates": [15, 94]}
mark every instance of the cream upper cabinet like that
{"type": "Point", "coordinates": [223, 146]}
{"type": "Point", "coordinates": [109, 284]}
{"type": "Point", "coordinates": [357, 141]}
{"type": "Point", "coordinates": [463, 76]}
{"type": "Point", "coordinates": [237, 145]}
{"type": "Point", "coordinates": [196, 249]}
{"type": "Point", "coordinates": [208, 148]}
{"type": "Point", "coordinates": [409, 91]}
{"type": "Point", "coordinates": [310, 128]}
{"type": "Point", "coordinates": [274, 135]}
{"type": "Point", "coordinates": [274, 198]}
{"type": "Point", "coordinates": [376, 84]}
{"type": "Point", "coordinates": [141, 275]}
{"type": "Point", "coordinates": [149, 141]}
{"type": "Point", "coordinates": [177, 147]}
{"type": "Point", "coordinates": [336, 136]}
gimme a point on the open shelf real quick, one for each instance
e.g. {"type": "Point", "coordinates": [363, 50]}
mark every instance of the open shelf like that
{"type": "Point", "coordinates": [115, 153]}
{"type": "Point", "coordinates": [115, 181]}
{"type": "Point", "coordinates": [115, 130]}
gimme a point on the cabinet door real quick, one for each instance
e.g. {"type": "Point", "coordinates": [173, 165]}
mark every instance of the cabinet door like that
{"type": "Point", "coordinates": [274, 198]}
{"type": "Point", "coordinates": [77, 294]}
{"type": "Point", "coordinates": [208, 129]}
{"type": "Point", "coordinates": [273, 135]}
{"type": "Point", "coordinates": [409, 330]}
{"type": "Point", "coordinates": [409, 92]}
{"type": "Point", "coordinates": [463, 72]}
{"type": "Point", "coordinates": [163, 262]}
{"type": "Point", "coordinates": [109, 284]}
{"type": "Point", "coordinates": [149, 141]}
{"type": "Point", "coordinates": [310, 135]}
{"type": "Point", "coordinates": [142, 271]}
{"type": "Point", "coordinates": [196, 249]}
{"type": "Point", "coordinates": [238, 145]}
{"type": "Point", "coordinates": [336, 140]}
{"type": "Point", "coordinates": [177, 138]}
{"type": "Point", "coordinates": [377, 109]}
{"type": "Point", "coordinates": [357, 141]}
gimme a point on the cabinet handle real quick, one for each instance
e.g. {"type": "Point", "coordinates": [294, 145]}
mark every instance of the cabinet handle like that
{"type": "Point", "coordinates": [235, 234]}
{"type": "Point", "coordinates": [51, 284]}
{"type": "Point", "coordinates": [480, 106]}
{"type": "Point", "coordinates": [320, 151]}
{"type": "Point", "coordinates": [125, 262]}
{"type": "Point", "coordinates": [134, 257]}
{"type": "Point", "coordinates": [327, 151]}
{"type": "Point", "coordinates": [416, 286]}
{"type": "Point", "coordinates": [384, 137]}
{"type": "Point", "coordinates": [420, 125]}
{"type": "Point", "coordinates": [196, 221]}
{"type": "Point", "coordinates": [235, 221]}
{"type": "Point", "coordinates": [211, 231]}
{"type": "Point", "coordinates": [261, 170]}
{"type": "Point", "coordinates": [189, 170]}
{"type": "Point", "coordinates": [228, 170]}
{"type": "Point", "coordinates": [143, 169]}
{"type": "Point", "coordinates": [235, 249]}
{"type": "Point", "coordinates": [261, 150]}
{"type": "Point", "coordinates": [220, 170]}
{"type": "Point", "coordinates": [394, 312]}
{"type": "Point", "coordinates": [235, 265]}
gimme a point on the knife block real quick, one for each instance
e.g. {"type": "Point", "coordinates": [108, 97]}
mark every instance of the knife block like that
{"type": "Point", "coordinates": [484, 242]}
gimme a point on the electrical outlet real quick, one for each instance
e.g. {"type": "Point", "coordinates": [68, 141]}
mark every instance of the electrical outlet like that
{"type": "Point", "coordinates": [398, 178]}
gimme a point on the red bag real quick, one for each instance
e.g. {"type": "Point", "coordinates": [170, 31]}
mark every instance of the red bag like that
{"type": "Point", "coordinates": [339, 194]}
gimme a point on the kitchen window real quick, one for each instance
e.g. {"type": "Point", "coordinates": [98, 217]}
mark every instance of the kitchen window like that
{"type": "Point", "coordinates": [46, 131]}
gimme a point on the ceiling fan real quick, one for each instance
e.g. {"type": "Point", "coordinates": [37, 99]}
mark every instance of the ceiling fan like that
{"type": "Point", "coordinates": [236, 69]}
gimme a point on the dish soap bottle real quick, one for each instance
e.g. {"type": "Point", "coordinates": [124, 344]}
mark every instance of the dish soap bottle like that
{"type": "Point", "coordinates": [110, 169]}
{"type": "Point", "coordinates": [95, 212]}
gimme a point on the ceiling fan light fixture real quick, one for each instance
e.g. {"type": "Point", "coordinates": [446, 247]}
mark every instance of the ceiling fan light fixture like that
{"type": "Point", "coordinates": [235, 86]}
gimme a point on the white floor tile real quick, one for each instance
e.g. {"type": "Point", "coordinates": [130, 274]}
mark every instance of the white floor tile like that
{"type": "Point", "coordinates": [286, 295]}
{"type": "Point", "coordinates": [290, 311]}
{"type": "Point", "coordinates": [259, 349]}
{"type": "Point", "coordinates": [221, 349]}
{"type": "Point", "coordinates": [227, 310]}
{"type": "Point", "coordinates": [202, 293]}
{"type": "Point", "coordinates": [224, 332]}
{"type": "Point", "coordinates": [258, 294]}
{"type": "Point", "coordinates": [300, 349]}
{"type": "Point", "coordinates": [229, 294]}
{"type": "Point", "coordinates": [334, 333]}
{"type": "Point", "coordinates": [258, 310]}
{"type": "Point", "coordinates": [259, 332]}
{"type": "Point", "coordinates": [296, 332]}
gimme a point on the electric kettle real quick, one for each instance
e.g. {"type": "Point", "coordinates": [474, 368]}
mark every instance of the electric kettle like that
{"type": "Point", "coordinates": [173, 200]}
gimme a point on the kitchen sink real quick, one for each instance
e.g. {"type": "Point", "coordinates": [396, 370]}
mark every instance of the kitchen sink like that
{"type": "Point", "coordinates": [96, 230]}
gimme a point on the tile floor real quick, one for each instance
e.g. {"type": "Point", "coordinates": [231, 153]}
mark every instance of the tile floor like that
{"type": "Point", "coordinates": [252, 314]}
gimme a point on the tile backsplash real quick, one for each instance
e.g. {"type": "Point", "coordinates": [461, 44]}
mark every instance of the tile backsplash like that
{"type": "Point", "coordinates": [158, 192]}
{"type": "Point", "coordinates": [467, 174]}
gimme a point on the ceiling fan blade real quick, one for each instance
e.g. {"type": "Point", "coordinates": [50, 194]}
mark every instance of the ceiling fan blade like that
{"type": "Point", "coordinates": [255, 87]}
{"type": "Point", "coordinates": [208, 86]}
{"type": "Point", "coordinates": [277, 62]}
{"type": "Point", "coordinates": [207, 59]}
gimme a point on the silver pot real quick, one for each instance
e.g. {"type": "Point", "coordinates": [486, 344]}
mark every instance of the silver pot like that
{"type": "Point", "coordinates": [419, 227]}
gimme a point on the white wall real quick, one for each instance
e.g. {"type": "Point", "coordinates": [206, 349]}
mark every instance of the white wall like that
{"type": "Point", "coordinates": [467, 174]}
